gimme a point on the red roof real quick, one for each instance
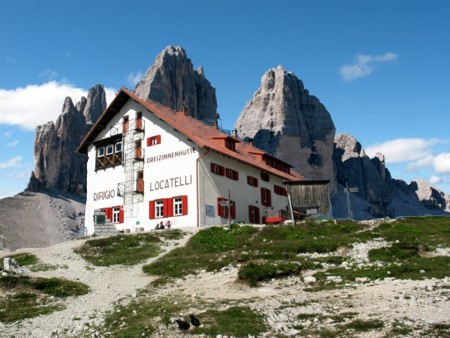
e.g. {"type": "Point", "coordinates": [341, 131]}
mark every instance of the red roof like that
{"type": "Point", "coordinates": [207, 137]}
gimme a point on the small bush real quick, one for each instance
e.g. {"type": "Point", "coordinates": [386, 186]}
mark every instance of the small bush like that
{"type": "Point", "coordinates": [253, 273]}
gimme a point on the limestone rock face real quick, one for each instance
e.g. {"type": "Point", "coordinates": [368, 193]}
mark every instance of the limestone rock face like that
{"type": "Point", "coordinates": [289, 123]}
{"type": "Point", "coordinates": [57, 165]}
{"type": "Point", "coordinates": [430, 197]}
{"type": "Point", "coordinates": [172, 81]}
{"type": "Point", "coordinates": [355, 169]}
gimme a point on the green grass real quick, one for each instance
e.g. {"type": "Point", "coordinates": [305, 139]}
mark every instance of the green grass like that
{"type": "Point", "coordinates": [236, 321]}
{"type": "Point", "coordinates": [428, 232]}
{"type": "Point", "coordinates": [364, 325]}
{"type": "Point", "coordinates": [122, 249]}
{"type": "Point", "coordinates": [23, 305]}
{"type": "Point", "coordinates": [254, 273]}
{"type": "Point", "coordinates": [272, 246]}
{"type": "Point", "coordinates": [23, 259]}
{"type": "Point", "coordinates": [141, 316]}
{"type": "Point", "coordinates": [56, 287]}
{"type": "Point", "coordinates": [30, 297]}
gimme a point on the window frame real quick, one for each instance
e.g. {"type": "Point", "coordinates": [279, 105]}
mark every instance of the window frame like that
{"type": "Point", "coordinates": [178, 204]}
{"type": "Point", "coordinates": [252, 181]}
{"type": "Point", "coordinates": [109, 146]}
{"type": "Point", "coordinates": [217, 169]}
{"type": "Point", "coordinates": [116, 145]}
{"type": "Point", "coordinates": [232, 174]}
{"type": "Point", "coordinates": [159, 208]}
{"type": "Point", "coordinates": [102, 148]}
{"type": "Point", "coordinates": [266, 197]}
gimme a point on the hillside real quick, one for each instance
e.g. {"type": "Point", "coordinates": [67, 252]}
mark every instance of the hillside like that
{"type": "Point", "coordinates": [40, 219]}
{"type": "Point", "coordinates": [377, 279]}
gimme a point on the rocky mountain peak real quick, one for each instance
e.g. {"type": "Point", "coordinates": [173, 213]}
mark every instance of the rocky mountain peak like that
{"type": "Point", "coordinates": [95, 104]}
{"type": "Point", "coordinates": [430, 197]}
{"type": "Point", "coordinates": [57, 165]}
{"type": "Point", "coordinates": [287, 122]}
{"type": "Point", "coordinates": [172, 81]}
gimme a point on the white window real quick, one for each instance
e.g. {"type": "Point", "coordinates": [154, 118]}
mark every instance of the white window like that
{"type": "Point", "coordinates": [115, 215]}
{"type": "Point", "coordinates": [118, 147]}
{"type": "Point", "coordinates": [101, 152]}
{"type": "Point", "coordinates": [177, 206]}
{"type": "Point", "coordinates": [159, 208]}
{"type": "Point", "coordinates": [109, 149]}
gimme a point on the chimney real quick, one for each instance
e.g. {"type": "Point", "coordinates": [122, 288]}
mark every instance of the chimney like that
{"type": "Point", "coordinates": [185, 109]}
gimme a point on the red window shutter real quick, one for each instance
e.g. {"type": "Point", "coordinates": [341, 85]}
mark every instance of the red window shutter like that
{"type": "Point", "coordinates": [167, 207]}
{"type": "Point", "coordinates": [249, 180]}
{"type": "Point", "coordinates": [109, 213]}
{"type": "Point", "coordinates": [149, 142]}
{"type": "Point", "coordinates": [158, 139]}
{"type": "Point", "coordinates": [222, 170]}
{"type": "Point", "coordinates": [213, 167]}
{"type": "Point", "coordinates": [263, 200]}
{"type": "Point", "coordinates": [236, 176]}
{"type": "Point", "coordinates": [219, 207]}
{"type": "Point", "coordinates": [184, 200]}
{"type": "Point", "coordinates": [269, 198]}
{"type": "Point", "coordinates": [233, 210]}
{"type": "Point", "coordinates": [151, 209]}
{"type": "Point", "coordinates": [257, 215]}
{"type": "Point", "coordinates": [121, 215]}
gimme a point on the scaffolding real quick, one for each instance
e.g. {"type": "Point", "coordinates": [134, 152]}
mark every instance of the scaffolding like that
{"type": "Point", "coordinates": [132, 189]}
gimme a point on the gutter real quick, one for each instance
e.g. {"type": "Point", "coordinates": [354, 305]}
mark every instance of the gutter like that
{"type": "Point", "coordinates": [197, 185]}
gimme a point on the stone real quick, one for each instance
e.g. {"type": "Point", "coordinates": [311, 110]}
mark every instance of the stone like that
{"type": "Point", "coordinates": [284, 120]}
{"type": "Point", "coordinates": [309, 279]}
{"type": "Point", "coordinates": [172, 81]}
{"type": "Point", "coordinates": [11, 266]}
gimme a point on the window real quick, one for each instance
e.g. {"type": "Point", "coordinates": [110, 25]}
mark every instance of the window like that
{"type": "Point", "coordinates": [114, 214]}
{"type": "Point", "coordinates": [265, 176]}
{"type": "Point", "coordinates": [223, 208]}
{"type": "Point", "coordinates": [217, 169]}
{"type": "Point", "coordinates": [168, 207]}
{"type": "Point", "coordinates": [280, 190]}
{"type": "Point", "coordinates": [253, 181]}
{"type": "Point", "coordinates": [154, 140]}
{"type": "Point", "coordinates": [253, 214]}
{"type": "Point", "coordinates": [100, 151]}
{"type": "Point", "coordinates": [177, 206]}
{"type": "Point", "coordinates": [109, 152]}
{"type": "Point", "coordinates": [159, 208]}
{"type": "Point", "coordinates": [232, 174]}
{"type": "Point", "coordinates": [118, 147]}
{"type": "Point", "coordinates": [109, 149]}
{"type": "Point", "coordinates": [266, 198]}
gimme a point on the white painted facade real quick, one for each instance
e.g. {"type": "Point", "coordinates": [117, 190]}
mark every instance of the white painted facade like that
{"type": "Point", "coordinates": [173, 168]}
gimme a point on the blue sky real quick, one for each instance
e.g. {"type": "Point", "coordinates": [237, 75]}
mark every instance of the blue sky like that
{"type": "Point", "coordinates": [381, 68]}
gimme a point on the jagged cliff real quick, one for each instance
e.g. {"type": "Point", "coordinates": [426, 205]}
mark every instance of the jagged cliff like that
{"type": "Point", "coordinates": [289, 123]}
{"type": "Point", "coordinates": [379, 195]}
{"type": "Point", "coordinates": [172, 81]}
{"type": "Point", "coordinates": [57, 166]}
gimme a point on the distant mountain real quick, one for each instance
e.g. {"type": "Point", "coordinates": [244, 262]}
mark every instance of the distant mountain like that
{"type": "Point", "coordinates": [283, 119]}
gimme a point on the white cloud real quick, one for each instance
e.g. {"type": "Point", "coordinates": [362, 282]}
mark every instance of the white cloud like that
{"type": "Point", "coordinates": [24, 174]}
{"type": "Point", "coordinates": [364, 65]}
{"type": "Point", "coordinates": [12, 144]}
{"type": "Point", "coordinates": [134, 78]}
{"type": "Point", "coordinates": [403, 149]}
{"type": "Point", "coordinates": [7, 133]}
{"type": "Point", "coordinates": [434, 180]}
{"type": "Point", "coordinates": [34, 105]}
{"type": "Point", "coordinates": [13, 162]}
{"type": "Point", "coordinates": [441, 163]}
